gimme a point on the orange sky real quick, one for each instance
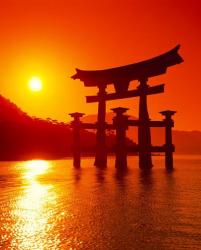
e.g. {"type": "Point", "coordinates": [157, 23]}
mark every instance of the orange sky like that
{"type": "Point", "coordinates": [49, 38]}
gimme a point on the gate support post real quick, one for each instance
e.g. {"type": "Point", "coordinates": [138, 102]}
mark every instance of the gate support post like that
{"type": "Point", "coordinates": [76, 126]}
{"type": "Point", "coordinates": [144, 133]}
{"type": "Point", "coordinates": [120, 122]}
{"type": "Point", "coordinates": [169, 147]}
{"type": "Point", "coordinates": [101, 151]}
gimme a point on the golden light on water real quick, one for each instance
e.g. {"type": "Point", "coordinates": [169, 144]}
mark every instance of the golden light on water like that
{"type": "Point", "coordinates": [35, 168]}
{"type": "Point", "coordinates": [38, 212]}
{"type": "Point", "coordinates": [34, 208]}
{"type": "Point", "coordinates": [35, 84]}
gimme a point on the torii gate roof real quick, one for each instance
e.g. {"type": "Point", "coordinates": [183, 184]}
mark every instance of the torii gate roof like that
{"type": "Point", "coordinates": [120, 75]}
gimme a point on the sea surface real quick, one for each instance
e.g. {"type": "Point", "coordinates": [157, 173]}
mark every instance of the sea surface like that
{"type": "Point", "coordinates": [51, 205]}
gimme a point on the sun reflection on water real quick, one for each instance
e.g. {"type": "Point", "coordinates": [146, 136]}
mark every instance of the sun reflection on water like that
{"type": "Point", "coordinates": [35, 168]}
{"type": "Point", "coordinates": [34, 211]}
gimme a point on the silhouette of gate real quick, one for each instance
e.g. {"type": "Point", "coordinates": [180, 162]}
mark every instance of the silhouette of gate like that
{"type": "Point", "coordinates": [121, 77]}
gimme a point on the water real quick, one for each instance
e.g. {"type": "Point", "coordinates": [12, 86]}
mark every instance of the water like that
{"type": "Point", "coordinates": [50, 205]}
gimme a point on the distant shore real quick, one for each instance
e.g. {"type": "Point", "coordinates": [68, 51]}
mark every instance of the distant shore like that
{"type": "Point", "coordinates": [62, 156]}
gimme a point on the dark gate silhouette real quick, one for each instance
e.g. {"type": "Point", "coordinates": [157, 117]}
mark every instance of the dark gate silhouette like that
{"type": "Point", "coordinates": [121, 77]}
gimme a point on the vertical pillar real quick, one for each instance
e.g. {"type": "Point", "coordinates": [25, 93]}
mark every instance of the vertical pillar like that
{"type": "Point", "coordinates": [169, 147]}
{"type": "Point", "coordinates": [76, 125]}
{"type": "Point", "coordinates": [144, 133]}
{"type": "Point", "coordinates": [120, 122]}
{"type": "Point", "coordinates": [101, 151]}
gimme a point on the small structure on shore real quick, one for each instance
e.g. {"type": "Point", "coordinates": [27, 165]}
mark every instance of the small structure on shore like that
{"type": "Point", "coordinates": [121, 77]}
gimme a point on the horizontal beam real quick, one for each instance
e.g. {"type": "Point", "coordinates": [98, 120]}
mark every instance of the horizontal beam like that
{"type": "Point", "coordinates": [130, 123]}
{"type": "Point", "coordinates": [157, 124]}
{"type": "Point", "coordinates": [149, 123]}
{"type": "Point", "coordinates": [95, 126]}
{"type": "Point", "coordinates": [89, 125]}
{"type": "Point", "coordinates": [136, 71]}
{"type": "Point", "coordinates": [131, 93]}
{"type": "Point", "coordinates": [162, 148]}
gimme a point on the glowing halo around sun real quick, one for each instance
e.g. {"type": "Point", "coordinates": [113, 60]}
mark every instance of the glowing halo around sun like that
{"type": "Point", "coordinates": [35, 84]}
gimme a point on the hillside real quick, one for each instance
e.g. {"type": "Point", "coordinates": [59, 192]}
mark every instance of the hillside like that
{"type": "Point", "coordinates": [25, 137]}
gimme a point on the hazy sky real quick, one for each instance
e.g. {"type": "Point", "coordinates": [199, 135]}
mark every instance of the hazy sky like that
{"type": "Point", "coordinates": [49, 39]}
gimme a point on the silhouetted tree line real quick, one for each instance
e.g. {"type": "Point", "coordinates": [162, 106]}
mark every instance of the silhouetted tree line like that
{"type": "Point", "coordinates": [25, 137]}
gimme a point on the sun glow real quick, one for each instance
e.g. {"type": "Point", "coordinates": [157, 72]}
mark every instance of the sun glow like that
{"type": "Point", "coordinates": [35, 84]}
{"type": "Point", "coordinates": [35, 168]}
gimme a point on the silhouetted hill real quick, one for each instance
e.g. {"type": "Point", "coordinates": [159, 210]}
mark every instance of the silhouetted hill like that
{"type": "Point", "coordinates": [10, 112]}
{"type": "Point", "coordinates": [186, 142]}
{"type": "Point", "coordinates": [25, 137]}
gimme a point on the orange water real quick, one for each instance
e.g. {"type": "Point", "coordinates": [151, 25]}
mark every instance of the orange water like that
{"type": "Point", "coordinates": [50, 205]}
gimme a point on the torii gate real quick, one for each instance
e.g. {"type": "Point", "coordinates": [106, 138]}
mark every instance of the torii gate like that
{"type": "Point", "coordinates": [121, 77]}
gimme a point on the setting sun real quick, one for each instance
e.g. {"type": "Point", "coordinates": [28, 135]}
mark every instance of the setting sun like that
{"type": "Point", "coordinates": [35, 84]}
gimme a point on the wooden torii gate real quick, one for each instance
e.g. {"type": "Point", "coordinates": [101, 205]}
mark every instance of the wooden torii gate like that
{"type": "Point", "coordinates": [121, 77]}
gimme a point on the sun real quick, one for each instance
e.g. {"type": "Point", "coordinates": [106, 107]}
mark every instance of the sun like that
{"type": "Point", "coordinates": [35, 84]}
